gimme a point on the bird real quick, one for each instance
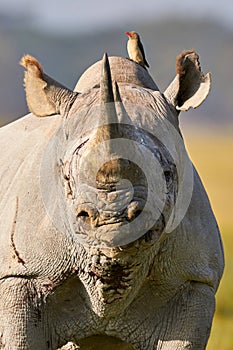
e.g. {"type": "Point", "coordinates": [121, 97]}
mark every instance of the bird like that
{"type": "Point", "coordinates": [135, 49]}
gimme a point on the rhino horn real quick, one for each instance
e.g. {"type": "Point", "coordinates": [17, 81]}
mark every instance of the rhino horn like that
{"type": "Point", "coordinates": [108, 123]}
{"type": "Point", "coordinates": [111, 128]}
{"type": "Point", "coordinates": [122, 115]}
{"type": "Point", "coordinates": [106, 89]}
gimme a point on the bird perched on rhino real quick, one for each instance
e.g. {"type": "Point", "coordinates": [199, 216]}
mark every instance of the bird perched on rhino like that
{"type": "Point", "coordinates": [135, 49]}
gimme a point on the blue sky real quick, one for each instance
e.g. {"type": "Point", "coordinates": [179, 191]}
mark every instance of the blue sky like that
{"type": "Point", "coordinates": [88, 15]}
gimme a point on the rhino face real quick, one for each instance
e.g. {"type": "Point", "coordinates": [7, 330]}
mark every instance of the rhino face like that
{"type": "Point", "coordinates": [118, 175]}
{"type": "Point", "coordinates": [119, 198]}
{"type": "Point", "coordinates": [120, 178]}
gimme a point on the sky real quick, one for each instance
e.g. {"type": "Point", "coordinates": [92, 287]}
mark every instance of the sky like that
{"type": "Point", "coordinates": [87, 15]}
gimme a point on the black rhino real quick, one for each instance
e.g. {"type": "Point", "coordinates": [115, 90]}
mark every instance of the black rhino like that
{"type": "Point", "coordinates": [108, 240]}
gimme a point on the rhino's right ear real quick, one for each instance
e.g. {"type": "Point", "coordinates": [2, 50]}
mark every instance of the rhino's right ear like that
{"type": "Point", "coordinates": [190, 86]}
{"type": "Point", "coordinates": [45, 96]}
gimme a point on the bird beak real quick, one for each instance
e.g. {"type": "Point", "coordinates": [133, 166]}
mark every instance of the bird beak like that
{"type": "Point", "coordinates": [127, 33]}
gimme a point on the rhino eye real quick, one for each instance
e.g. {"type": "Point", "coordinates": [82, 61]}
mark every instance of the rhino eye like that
{"type": "Point", "coordinates": [168, 176]}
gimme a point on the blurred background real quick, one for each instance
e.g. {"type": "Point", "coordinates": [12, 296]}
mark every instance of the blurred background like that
{"type": "Point", "coordinates": [68, 36]}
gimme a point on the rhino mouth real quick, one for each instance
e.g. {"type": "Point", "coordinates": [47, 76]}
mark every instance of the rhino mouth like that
{"type": "Point", "coordinates": [113, 277]}
{"type": "Point", "coordinates": [118, 229]}
{"type": "Point", "coordinates": [112, 274]}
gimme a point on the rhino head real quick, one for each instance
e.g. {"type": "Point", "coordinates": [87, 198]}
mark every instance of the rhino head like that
{"type": "Point", "coordinates": [115, 176]}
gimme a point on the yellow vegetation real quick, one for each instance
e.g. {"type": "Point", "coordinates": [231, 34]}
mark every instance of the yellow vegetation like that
{"type": "Point", "coordinates": [212, 154]}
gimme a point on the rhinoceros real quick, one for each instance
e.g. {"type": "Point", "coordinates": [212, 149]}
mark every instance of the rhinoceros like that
{"type": "Point", "coordinates": [108, 239]}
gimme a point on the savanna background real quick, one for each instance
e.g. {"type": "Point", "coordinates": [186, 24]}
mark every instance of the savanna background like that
{"type": "Point", "coordinates": [68, 36]}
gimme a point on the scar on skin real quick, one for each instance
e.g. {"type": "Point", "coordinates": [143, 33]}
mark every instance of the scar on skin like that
{"type": "Point", "coordinates": [20, 260]}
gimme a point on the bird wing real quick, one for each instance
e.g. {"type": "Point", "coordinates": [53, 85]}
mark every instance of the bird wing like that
{"type": "Point", "coordinates": [143, 53]}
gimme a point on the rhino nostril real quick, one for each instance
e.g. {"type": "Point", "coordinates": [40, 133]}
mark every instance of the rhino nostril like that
{"type": "Point", "coordinates": [86, 213]}
{"type": "Point", "coordinates": [83, 213]}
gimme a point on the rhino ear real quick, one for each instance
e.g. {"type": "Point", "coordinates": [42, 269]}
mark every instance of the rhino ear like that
{"type": "Point", "coordinates": [190, 86]}
{"type": "Point", "coordinates": [45, 96]}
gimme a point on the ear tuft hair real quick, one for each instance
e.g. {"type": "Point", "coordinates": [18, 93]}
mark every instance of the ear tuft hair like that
{"type": "Point", "coordinates": [33, 65]}
{"type": "Point", "coordinates": [180, 61]}
{"type": "Point", "coordinates": [190, 86]}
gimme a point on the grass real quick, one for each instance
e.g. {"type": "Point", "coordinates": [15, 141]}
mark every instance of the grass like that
{"type": "Point", "coordinates": [222, 330]}
{"type": "Point", "coordinates": [212, 154]}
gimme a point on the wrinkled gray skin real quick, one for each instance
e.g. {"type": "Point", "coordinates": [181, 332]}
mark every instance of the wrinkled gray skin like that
{"type": "Point", "coordinates": [61, 280]}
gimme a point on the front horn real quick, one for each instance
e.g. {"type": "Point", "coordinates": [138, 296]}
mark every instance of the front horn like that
{"type": "Point", "coordinates": [109, 124]}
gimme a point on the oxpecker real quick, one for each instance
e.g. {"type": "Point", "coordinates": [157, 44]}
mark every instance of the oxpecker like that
{"type": "Point", "coordinates": [135, 49]}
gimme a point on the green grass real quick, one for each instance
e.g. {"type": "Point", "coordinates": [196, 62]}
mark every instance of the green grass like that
{"type": "Point", "coordinates": [212, 153]}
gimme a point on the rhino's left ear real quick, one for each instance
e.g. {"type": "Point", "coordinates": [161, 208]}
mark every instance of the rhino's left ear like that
{"type": "Point", "coordinates": [190, 86]}
{"type": "Point", "coordinates": [45, 96]}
